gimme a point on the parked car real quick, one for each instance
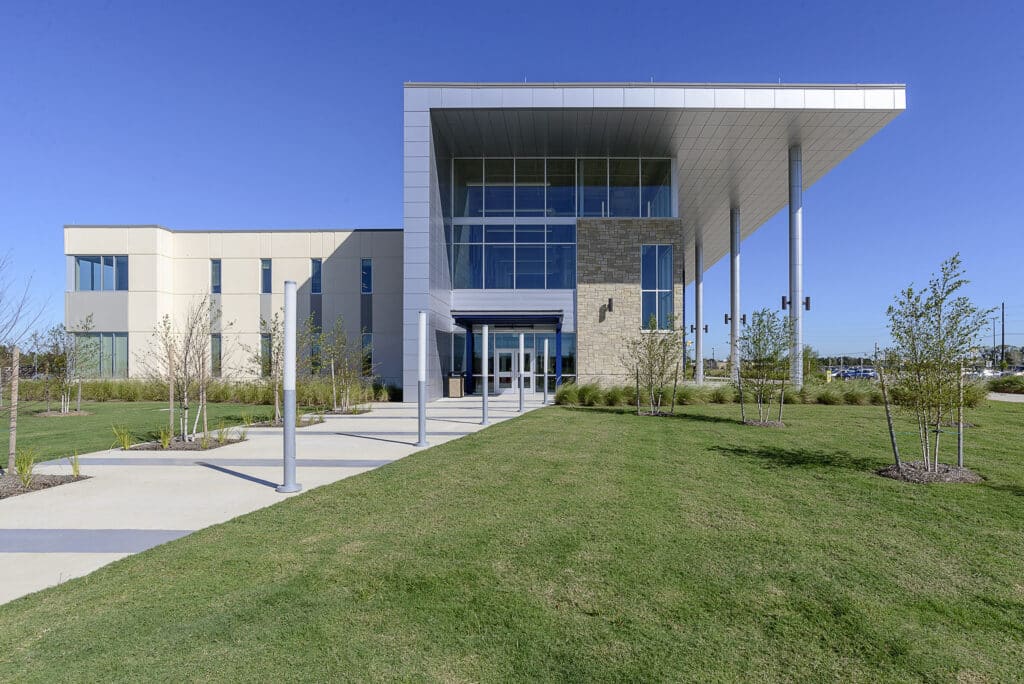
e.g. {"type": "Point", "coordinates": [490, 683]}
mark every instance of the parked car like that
{"type": "Point", "coordinates": [859, 374]}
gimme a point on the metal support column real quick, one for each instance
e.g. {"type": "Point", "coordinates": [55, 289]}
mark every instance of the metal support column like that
{"type": "Point", "coordinates": [558, 357]}
{"type": "Point", "coordinates": [522, 370]}
{"type": "Point", "coordinates": [486, 362]}
{"type": "Point", "coordinates": [796, 266]}
{"type": "Point", "coordinates": [421, 384]}
{"type": "Point", "coordinates": [467, 361]}
{"type": "Point", "coordinates": [734, 293]}
{"type": "Point", "coordinates": [698, 307]}
{"type": "Point", "coordinates": [288, 384]}
{"type": "Point", "coordinates": [545, 371]}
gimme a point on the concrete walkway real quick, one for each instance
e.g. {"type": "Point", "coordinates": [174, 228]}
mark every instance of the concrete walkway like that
{"type": "Point", "coordinates": [136, 500]}
{"type": "Point", "coordinates": [1006, 396]}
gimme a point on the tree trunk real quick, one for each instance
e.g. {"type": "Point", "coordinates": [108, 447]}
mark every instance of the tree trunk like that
{"type": "Point", "coordinates": [782, 398]}
{"type": "Point", "coordinates": [334, 388]}
{"type": "Point", "coordinates": [13, 442]}
{"type": "Point", "coordinates": [675, 384]}
{"type": "Point", "coordinates": [170, 391]}
{"type": "Point", "coordinates": [277, 404]}
{"type": "Point", "coordinates": [202, 395]}
{"type": "Point", "coordinates": [960, 420]}
{"type": "Point", "coordinates": [888, 414]}
{"type": "Point", "coordinates": [743, 408]}
{"type": "Point", "coordinates": [638, 393]}
{"type": "Point", "coordinates": [80, 396]}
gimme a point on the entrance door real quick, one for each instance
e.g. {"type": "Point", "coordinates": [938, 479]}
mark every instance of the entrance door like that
{"type": "Point", "coordinates": [505, 369]}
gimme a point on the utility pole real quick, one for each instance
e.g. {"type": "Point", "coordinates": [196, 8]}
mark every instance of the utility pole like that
{"type": "Point", "coordinates": [1002, 341]}
{"type": "Point", "coordinates": [994, 319]}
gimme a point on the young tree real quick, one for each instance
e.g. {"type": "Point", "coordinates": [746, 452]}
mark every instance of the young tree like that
{"type": "Point", "coordinates": [68, 358]}
{"type": "Point", "coordinates": [652, 357]}
{"type": "Point", "coordinates": [180, 355]}
{"type": "Point", "coordinates": [18, 315]}
{"type": "Point", "coordinates": [933, 331]}
{"type": "Point", "coordinates": [763, 347]}
{"type": "Point", "coordinates": [269, 357]}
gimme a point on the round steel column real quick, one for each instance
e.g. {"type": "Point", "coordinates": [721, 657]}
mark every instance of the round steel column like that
{"type": "Point", "coordinates": [421, 384]}
{"type": "Point", "coordinates": [796, 266]}
{"type": "Point", "coordinates": [486, 361]}
{"type": "Point", "coordinates": [288, 385]}
{"type": "Point", "coordinates": [698, 307]}
{"type": "Point", "coordinates": [734, 293]}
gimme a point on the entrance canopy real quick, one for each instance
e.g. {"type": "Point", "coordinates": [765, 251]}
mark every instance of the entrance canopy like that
{"type": "Point", "coordinates": [511, 319]}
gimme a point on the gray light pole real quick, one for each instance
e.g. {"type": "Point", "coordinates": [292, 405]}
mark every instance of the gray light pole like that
{"type": "Point", "coordinates": [486, 360]}
{"type": "Point", "coordinates": [522, 371]}
{"type": "Point", "coordinates": [545, 371]}
{"type": "Point", "coordinates": [288, 382]}
{"type": "Point", "coordinates": [421, 383]}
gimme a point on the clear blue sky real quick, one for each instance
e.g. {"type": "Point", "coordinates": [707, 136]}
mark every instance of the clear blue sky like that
{"type": "Point", "coordinates": [202, 115]}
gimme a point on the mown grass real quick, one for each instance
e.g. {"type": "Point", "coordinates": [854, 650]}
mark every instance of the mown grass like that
{"type": "Point", "coordinates": [59, 436]}
{"type": "Point", "coordinates": [580, 545]}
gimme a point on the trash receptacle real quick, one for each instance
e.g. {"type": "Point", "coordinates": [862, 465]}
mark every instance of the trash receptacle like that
{"type": "Point", "coordinates": [456, 385]}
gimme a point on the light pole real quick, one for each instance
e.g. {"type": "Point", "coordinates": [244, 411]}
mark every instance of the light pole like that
{"type": "Point", "coordinates": [421, 382]}
{"type": "Point", "coordinates": [288, 383]}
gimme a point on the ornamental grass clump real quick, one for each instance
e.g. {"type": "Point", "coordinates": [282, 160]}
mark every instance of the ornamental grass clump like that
{"type": "Point", "coordinates": [122, 436]}
{"type": "Point", "coordinates": [614, 396]}
{"type": "Point", "coordinates": [567, 395]}
{"type": "Point", "coordinates": [25, 462]}
{"type": "Point", "coordinates": [590, 394]}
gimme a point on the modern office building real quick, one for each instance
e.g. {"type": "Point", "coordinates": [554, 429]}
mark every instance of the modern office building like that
{"type": "Point", "coordinates": [568, 213]}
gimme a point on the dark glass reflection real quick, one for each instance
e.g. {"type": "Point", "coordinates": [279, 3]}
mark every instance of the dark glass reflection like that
{"type": "Point", "coordinates": [469, 187]}
{"type": "Point", "coordinates": [498, 186]}
{"type": "Point", "coordinates": [561, 178]}
{"type": "Point", "coordinates": [624, 187]}
{"type": "Point", "coordinates": [656, 190]}
{"type": "Point", "coordinates": [593, 180]}
{"type": "Point", "coordinates": [529, 187]}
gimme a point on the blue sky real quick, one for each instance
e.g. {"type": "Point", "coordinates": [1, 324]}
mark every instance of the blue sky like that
{"type": "Point", "coordinates": [202, 115]}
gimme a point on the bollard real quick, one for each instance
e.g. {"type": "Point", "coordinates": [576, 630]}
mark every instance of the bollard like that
{"type": "Point", "coordinates": [421, 384]}
{"type": "Point", "coordinates": [522, 371]}
{"type": "Point", "coordinates": [486, 357]}
{"type": "Point", "coordinates": [545, 371]}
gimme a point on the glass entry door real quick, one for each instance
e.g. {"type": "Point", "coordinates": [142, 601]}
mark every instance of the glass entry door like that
{"type": "Point", "coordinates": [507, 365]}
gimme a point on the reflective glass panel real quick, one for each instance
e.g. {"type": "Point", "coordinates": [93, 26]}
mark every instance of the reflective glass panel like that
{"type": "Point", "coordinates": [593, 179]}
{"type": "Point", "coordinates": [366, 276]}
{"type": "Point", "coordinates": [316, 286]}
{"type": "Point", "coordinates": [469, 187]}
{"type": "Point", "coordinates": [561, 267]}
{"type": "Point", "coordinates": [529, 187]}
{"type": "Point", "coordinates": [565, 233]}
{"type": "Point", "coordinates": [526, 234]}
{"type": "Point", "coordinates": [121, 270]}
{"type": "Point", "coordinates": [120, 361]}
{"type": "Point", "coordinates": [215, 276]}
{"type": "Point", "coordinates": [500, 234]}
{"type": "Point", "coordinates": [624, 187]}
{"type": "Point", "coordinates": [265, 276]}
{"type": "Point", "coordinates": [648, 268]}
{"type": "Point", "coordinates": [664, 267]}
{"type": "Point", "coordinates": [530, 268]}
{"type": "Point", "coordinates": [467, 233]}
{"type": "Point", "coordinates": [499, 266]}
{"type": "Point", "coordinates": [561, 179]}
{"type": "Point", "coordinates": [108, 273]}
{"type": "Point", "coordinates": [498, 186]}
{"type": "Point", "coordinates": [665, 310]}
{"type": "Point", "coordinates": [648, 308]}
{"type": "Point", "coordinates": [106, 355]}
{"type": "Point", "coordinates": [215, 355]}
{"type": "Point", "coordinates": [656, 187]}
{"type": "Point", "coordinates": [88, 272]}
{"type": "Point", "coordinates": [467, 266]}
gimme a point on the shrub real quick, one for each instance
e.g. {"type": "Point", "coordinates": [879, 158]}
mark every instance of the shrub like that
{"type": "Point", "coordinates": [222, 433]}
{"type": "Point", "coordinates": [590, 394]}
{"type": "Point", "coordinates": [76, 466]}
{"type": "Point", "coordinates": [856, 396]}
{"type": "Point", "coordinates": [567, 395]}
{"type": "Point", "coordinates": [977, 392]}
{"type": "Point", "coordinates": [830, 396]}
{"type": "Point", "coordinates": [613, 396]}
{"type": "Point", "coordinates": [629, 395]}
{"type": "Point", "coordinates": [123, 436]}
{"type": "Point", "coordinates": [724, 394]}
{"type": "Point", "coordinates": [1011, 384]}
{"type": "Point", "coordinates": [165, 437]}
{"type": "Point", "coordinates": [25, 463]}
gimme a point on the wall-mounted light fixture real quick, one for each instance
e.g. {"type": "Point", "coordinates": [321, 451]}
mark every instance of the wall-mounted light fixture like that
{"type": "Point", "coordinates": [693, 328]}
{"type": "Point", "coordinates": [609, 304]}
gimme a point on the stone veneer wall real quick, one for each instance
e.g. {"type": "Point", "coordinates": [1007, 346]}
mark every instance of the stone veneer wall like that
{"type": "Point", "coordinates": [608, 266]}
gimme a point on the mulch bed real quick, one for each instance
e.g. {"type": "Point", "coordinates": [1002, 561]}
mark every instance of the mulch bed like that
{"type": "Point", "coordinates": [10, 485]}
{"type": "Point", "coordinates": [305, 422]}
{"type": "Point", "coordinates": [179, 445]}
{"type": "Point", "coordinates": [915, 472]}
{"type": "Point", "coordinates": [765, 424]}
{"type": "Point", "coordinates": [58, 414]}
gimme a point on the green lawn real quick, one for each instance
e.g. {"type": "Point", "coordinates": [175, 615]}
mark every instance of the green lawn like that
{"type": "Point", "coordinates": [581, 545]}
{"type": "Point", "coordinates": [58, 436]}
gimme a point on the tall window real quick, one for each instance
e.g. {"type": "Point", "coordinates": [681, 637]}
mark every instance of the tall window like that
{"type": "Point", "coordinates": [103, 355]}
{"type": "Point", "coordinates": [266, 277]}
{"type": "Point", "coordinates": [215, 355]}
{"type": "Point", "coordinates": [315, 276]}
{"type": "Point", "coordinates": [215, 276]}
{"type": "Point", "coordinates": [367, 353]}
{"type": "Point", "coordinates": [108, 272]}
{"type": "Point", "coordinates": [656, 286]}
{"type": "Point", "coordinates": [521, 256]}
{"type": "Point", "coordinates": [366, 276]}
{"type": "Point", "coordinates": [266, 355]}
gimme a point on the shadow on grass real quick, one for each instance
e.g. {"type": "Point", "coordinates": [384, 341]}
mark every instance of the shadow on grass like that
{"type": "Point", "coordinates": [1015, 490]}
{"type": "Point", "coordinates": [783, 457]}
{"type": "Point", "coordinates": [631, 411]}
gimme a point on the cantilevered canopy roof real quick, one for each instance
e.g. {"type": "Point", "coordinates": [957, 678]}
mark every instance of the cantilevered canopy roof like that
{"type": "Point", "coordinates": [730, 141]}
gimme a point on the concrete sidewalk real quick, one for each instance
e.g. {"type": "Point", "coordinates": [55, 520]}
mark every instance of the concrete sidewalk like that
{"type": "Point", "coordinates": [139, 499]}
{"type": "Point", "coordinates": [1006, 396]}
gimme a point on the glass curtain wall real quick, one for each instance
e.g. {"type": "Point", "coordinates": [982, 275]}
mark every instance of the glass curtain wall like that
{"type": "Point", "coordinates": [513, 256]}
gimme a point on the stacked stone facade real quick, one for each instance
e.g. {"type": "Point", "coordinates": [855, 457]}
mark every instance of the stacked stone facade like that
{"type": "Point", "coordinates": [608, 267]}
